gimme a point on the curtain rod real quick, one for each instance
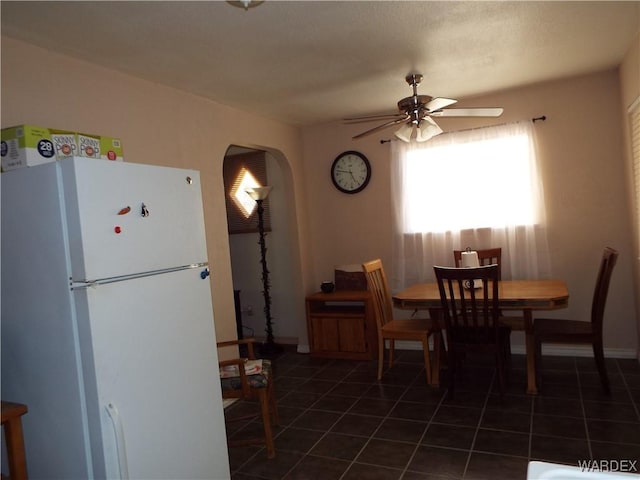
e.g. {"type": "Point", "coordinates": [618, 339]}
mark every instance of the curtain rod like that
{"type": "Point", "coordinates": [541, 118]}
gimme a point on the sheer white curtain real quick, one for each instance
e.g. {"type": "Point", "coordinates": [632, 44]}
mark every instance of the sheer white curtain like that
{"type": "Point", "coordinates": [476, 188]}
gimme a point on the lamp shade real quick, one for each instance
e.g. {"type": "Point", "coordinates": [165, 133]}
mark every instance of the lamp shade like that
{"type": "Point", "coordinates": [427, 129]}
{"type": "Point", "coordinates": [404, 132]}
{"type": "Point", "coordinates": [258, 193]}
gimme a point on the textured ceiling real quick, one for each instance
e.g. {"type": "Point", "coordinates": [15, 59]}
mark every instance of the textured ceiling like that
{"type": "Point", "coordinates": [308, 62]}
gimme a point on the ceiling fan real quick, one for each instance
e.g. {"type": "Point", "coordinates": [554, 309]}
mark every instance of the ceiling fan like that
{"type": "Point", "coordinates": [416, 112]}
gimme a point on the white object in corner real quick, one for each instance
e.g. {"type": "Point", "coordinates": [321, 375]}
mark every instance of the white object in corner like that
{"type": "Point", "coordinates": [552, 471]}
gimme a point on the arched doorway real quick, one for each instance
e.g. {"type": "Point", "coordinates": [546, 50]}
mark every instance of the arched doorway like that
{"type": "Point", "coordinates": [266, 167]}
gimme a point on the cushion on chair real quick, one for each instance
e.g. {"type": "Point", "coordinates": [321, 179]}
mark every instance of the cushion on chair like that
{"type": "Point", "coordinates": [259, 380]}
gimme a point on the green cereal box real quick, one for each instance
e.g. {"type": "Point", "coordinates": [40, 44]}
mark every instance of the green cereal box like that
{"type": "Point", "coordinates": [26, 146]}
{"type": "Point", "coordinates": [95, 146]}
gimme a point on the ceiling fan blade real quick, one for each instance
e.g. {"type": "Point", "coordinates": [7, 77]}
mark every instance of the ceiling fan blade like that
{"type": "Point", "coordinates": [370, 118]}
{"type": "Point", "coordinates": [381, 127]}
{"type": "Point", "coordinates": [468, 112]}
{"type": "Point", "coordinates": [439, 103]}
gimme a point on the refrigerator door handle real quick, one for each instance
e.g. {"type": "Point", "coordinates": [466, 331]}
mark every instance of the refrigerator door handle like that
{"type": "Point", "coordinates": [116, 422]}
{"type": "Point", "coordinates": [75, 284]}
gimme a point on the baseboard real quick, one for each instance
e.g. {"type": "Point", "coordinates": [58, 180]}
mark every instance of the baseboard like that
{"type": "Point", "coordinates": [581, 351]}
{"type": "Point", "coordinates": [559, 350]}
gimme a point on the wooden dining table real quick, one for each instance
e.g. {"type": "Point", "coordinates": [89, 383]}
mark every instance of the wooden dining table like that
{"type": "Point", "coordinates": [526, 296]}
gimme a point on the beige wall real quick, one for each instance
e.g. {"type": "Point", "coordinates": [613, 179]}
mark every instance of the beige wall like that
{"type": "Point", "coordinates": [584, 175]}
{"type": "Point", "coordinates": [157, 125]}
{"type": "Point", "coordinates": [630, 93]}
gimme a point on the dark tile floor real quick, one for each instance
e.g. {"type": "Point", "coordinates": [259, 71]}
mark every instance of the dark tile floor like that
{"type": "Point", "coordinates": [338, 422]}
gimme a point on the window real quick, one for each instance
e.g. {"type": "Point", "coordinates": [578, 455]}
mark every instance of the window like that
{"type": "Point", "coordinates": [492, 172]}
{"type": "Point", "coordinates": [240, 172]}
{"type": "Point", "coordinates": [238, 192]}
{"type": "Point", "coordinates": [476, 188]}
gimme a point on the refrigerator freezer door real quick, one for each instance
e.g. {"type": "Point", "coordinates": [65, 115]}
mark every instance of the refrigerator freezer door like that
{"type": "Point", "coordinates": [152, 346]}
{"type": "Point", "coordinates": [40, 358]}
{"type": "Point", "coordinates": [125, 218]}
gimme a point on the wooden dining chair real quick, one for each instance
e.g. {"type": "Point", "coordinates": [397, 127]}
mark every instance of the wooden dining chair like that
{"type": "Point", "coordinates": [471, 317]}
{"type": "Point", "coordinates": [249, 387]}
{"type": "Point", "coordinates": [398, 329]}
{"type": "Point", "coordinates": [548, 330]}
{"type": "Point", "coordinates": [490, 256]}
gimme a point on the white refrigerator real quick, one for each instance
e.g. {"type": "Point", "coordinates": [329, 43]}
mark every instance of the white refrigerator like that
{"type": "Point", "coordinates": [107, 329]}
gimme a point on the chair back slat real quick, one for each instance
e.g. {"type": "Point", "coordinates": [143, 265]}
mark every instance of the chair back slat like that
{"type": "Point", "coordinates": [609, 258]}
{"type": "Point", "coordinates": [380, 293]}
{"type": "Point", "coordinates": [470, 314]}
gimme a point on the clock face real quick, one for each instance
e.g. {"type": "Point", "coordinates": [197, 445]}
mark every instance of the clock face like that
{"type": "Point", "coordinates": [350, 172]}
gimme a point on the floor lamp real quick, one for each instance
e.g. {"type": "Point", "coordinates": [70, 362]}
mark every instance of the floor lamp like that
{"type": "Point", "coordinates": [269, 347]}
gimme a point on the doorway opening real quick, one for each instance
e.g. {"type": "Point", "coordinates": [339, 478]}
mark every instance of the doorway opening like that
{"type": "Point", "coordinates": [247, 168]}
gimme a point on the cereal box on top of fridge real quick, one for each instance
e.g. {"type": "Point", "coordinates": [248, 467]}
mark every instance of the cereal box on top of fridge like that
{"type": "Point", "coordinates": [28, 145]}
{"type": "Point", "coordinates": [97, 146]}
{"type": "Point", "coordinates": [25, 146]}
{"type": "Point", "coordinates": [65, 144]}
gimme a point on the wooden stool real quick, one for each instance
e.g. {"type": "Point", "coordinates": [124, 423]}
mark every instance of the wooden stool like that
{"type": "Point", "coordinates": [12, 423]}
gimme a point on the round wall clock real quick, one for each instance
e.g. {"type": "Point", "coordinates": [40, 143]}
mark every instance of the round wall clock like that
{"type": "Point", "coordinates": [351, 172]}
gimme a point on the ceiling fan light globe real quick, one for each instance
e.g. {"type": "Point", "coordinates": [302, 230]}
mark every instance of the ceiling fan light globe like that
{"type": "Point", "coordinates": [405, 132]}
{"type": "Point", "coordinates": [427, 129]}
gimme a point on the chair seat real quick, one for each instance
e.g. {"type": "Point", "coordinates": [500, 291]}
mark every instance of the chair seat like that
{"type": "Point", "coordinates": [550, 327]}
{"type": "Point", "coordinates": [258, 386]}
{"type": "Point", "coordinates": [412, 326]}
{"type": "Point", "coordinates": [259, 380]}
{"type": "Point", "coordinates": [390, 329]}
{"type": "Point", "coordinates": [548, 330]}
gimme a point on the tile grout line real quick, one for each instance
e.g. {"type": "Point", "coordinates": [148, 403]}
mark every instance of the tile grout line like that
{"type": "Point", "coordinates": [475, 435]}
{"type": "Point", "coordinates": [584, 410]}
{"type": "Point", "coordinates": [284, 429]}
{"type": "Point", "coordinates": [532, 410]}
{"type": "Point", "coordinates": [326, 431]}
{"type": "Point", "coordinates": [635, 404]}
{"type": "Point", "coordinates": [424, 433]}
{"type": "Point", "coordinates": [353, 461]}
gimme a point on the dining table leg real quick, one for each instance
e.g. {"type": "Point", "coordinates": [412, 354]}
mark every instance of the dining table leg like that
{"type": "Point", "coordinates": [530, 346]}
{"type": "Point", "coordinates": [439, 350]}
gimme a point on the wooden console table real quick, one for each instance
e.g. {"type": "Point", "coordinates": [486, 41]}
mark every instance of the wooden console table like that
{"type": "Point", "coordinates": [342, 325]}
